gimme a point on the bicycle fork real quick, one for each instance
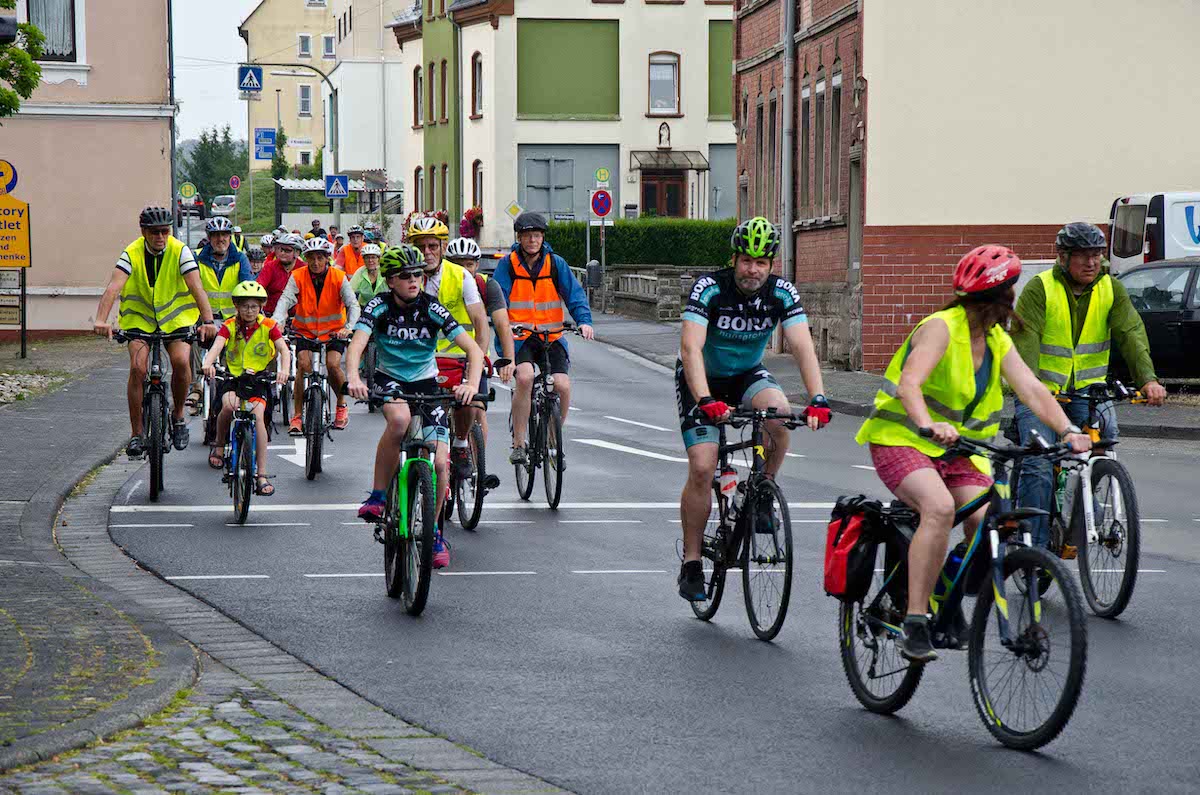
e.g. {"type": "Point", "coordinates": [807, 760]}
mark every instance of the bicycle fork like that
{"type": "Point", "coordinates": [1089, 501]}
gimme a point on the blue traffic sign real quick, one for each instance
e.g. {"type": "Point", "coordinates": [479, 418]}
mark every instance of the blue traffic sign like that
{"type": "Point", "coordinates": [337, 186]}
{"type": "Point", "coordinates": [250, 78]}
{"type": "Point", "coordinates": [264, 143]}
{"type": "Point", "coordinates": [601, 203]}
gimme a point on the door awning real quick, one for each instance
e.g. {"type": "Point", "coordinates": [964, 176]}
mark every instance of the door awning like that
{"type": "Point", "coordinates": [676, 159]}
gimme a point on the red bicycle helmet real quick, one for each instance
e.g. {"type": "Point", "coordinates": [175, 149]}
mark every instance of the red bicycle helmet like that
{"type": "Point", "coordinates": [986, 268]}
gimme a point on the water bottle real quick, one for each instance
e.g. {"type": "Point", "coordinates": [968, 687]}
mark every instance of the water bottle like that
{"type": "Point", "coordinates": [1067, 487]}
{"type": "Point", "coordinates": [1060, 493]}
{"type": "Point", "coordinates": [739, 496]}
{"type": "Point", "coordinates": [727, 484]}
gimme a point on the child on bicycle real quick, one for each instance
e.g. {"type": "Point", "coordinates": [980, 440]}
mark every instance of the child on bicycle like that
{"type": "Point", "coordinates": [252, 341]}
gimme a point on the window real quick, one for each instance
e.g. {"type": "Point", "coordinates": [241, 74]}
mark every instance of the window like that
{"type": "Point", "coordinates": [476, 86]}
{"type": "Point", "coordinates": [1129, 228]}
{"type": "Point", "coordinates": [835, 138]}
{"type": "Point", "coordinates": [759, 175]}
{"type": "Point", "coordinates": [341, 35]}
{"type": "Point", "coordinates": [349, 20]}
{"type": "Point", "coordinates": [664, 84]}
{"type": "Point", "coordinates": [819, 148]}
{"type": "Point", "coordinates": [433, 187]}
{"type": "Point", "coordinates": [431, 115]}
{"type": "Point", "coordinates": [445, 193]}
{"type": "Point", "coordinates": [773, 154]}
{"type": "Point", "coordinates": [418, 187]}
{"type": "Point", "coordinates": [327, 46]}
{"type": "Point", "coordinates": [306, 158]}
{"type": "Point", "coordinates": [745, 115]}
{"type": "Point", "coordinates": [418, 93]}
{"type": "Point", "coordinates": [442, 7]}
{"type": "Point", "coordinates": [805, 147]}
{"type": "Point", "coordinates": [305, 99]}
{"type": "Point", "coordinates": [56, 20]}
{"type": "Point", "coordinates": [445, 112]}
{"type": "Point", "coordinates": [1157, 289]}
{"type": "Point", "coordinates": [304, 46]}
{"type": "Point", "coordinates": [549, 184]}
{"type": "Point", "coordinates": [477, 184]}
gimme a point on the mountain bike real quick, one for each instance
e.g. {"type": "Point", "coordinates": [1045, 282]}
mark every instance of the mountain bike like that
{"type": "Point", "coordinates": [156, 414]}
{"type": "Point", "coordinates": [753, 530]}
{"type": "Point", "coordinates": [468, 493]}
{"type": "Point", "coordinates": [1026, 666]}
{"type": "Point", "coordinates": [241, 452]}
{"type": "Point", "coordinates": [543, 444]}
{"type": "Point", "coordinates": [407, 527]}
{"type": "Point", "coordinates": [317, 411]}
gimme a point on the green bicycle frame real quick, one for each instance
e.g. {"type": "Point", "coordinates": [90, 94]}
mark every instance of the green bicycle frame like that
{"type": "Point", "coordinates": [402, 491]}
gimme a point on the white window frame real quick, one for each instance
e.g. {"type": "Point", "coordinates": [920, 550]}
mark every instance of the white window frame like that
{"type": "Point", "coordinates": [300, 99]}
{"type": "Point", "coordinates": [328, 43]}
{"type": "Point", "coordinates": [301, 40]}
{"type": "Point", "coordinates": [300, 157]}
{"type": "Point", "coordinates": [477, 76]}
{"type": "Point", "coordinates": [675, 60]}
{"type": "Point", "coordinates": [55, 72]}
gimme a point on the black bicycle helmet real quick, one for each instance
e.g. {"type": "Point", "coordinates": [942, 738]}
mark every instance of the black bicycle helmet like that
{"type": "Point", "coordinates": [1080, 235]}
{"type": "Point", "coordinates": [256, 254]}
{"type": "Point", "coordinates": [530, 222]}
{"type": "Point", "coordinates": [155, 216]}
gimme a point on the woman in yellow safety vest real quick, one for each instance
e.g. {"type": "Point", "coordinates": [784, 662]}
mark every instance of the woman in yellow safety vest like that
{"type": "Point", "coordinates": [946, 377]}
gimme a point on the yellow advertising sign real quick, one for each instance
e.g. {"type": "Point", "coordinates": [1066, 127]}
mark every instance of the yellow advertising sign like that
{"type": "Point", "coordinates": [8, 177]}
{"type": "Point", "coordinates": [14, 232]}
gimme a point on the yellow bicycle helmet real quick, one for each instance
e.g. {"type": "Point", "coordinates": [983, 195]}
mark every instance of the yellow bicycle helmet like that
{"type": "Point", "coordinates": [249, 289]}
{"type": "Point", "coordinates": [427, 226]}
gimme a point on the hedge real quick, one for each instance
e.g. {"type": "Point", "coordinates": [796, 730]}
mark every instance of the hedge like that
{"type": "Point", "coordinates": [646, 241]}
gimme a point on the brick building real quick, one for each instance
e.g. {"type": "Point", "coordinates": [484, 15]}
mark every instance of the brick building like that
{"type": "Point", "coordinates": [956, 145]}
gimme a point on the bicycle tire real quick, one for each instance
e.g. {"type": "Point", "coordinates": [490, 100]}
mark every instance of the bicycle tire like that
{"type": "Point", "coordinates": [470, 493]}
{"type": "Point", "coordinates": [525, 472]}
{"type": "Point", "coordinates": [209, 418]}
{"type": "Point", "coordinates": [369, 371]}
{"type": "Point", "coordinates": [1099, 558]}
{"type": "Point", "coordinates": [758, 582]}
{"type": "Point", "coordinates": [553, 461]}
{"type": "Point", "coordinates": [393, 577]}
{"type": "Point", "coordinates": [902, 676]}
{"type": "Point", "coordinates": [1026, 562]}
{"type": "Point", "coordinates": [243, 474]}
{"type": "Point", "coordinates": [714, 577]}
{"type": "Point", "coordinates": [154, 411]}
{"type": "Point", "coordinates": [418, 546]}
{"type": "Point", "coordinates": [314, 435]}
{"type": "Point", "coordinates": [285, 403]}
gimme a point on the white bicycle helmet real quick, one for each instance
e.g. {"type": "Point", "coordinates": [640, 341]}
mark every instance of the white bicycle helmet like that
{"type": "Point", "coordinates": [355, 230]}
{"type": "Point", "coordinates": [370, 249]}
{"type": "Point", "coordinates": [293, 241]}
{"type": "Point", "coordinates": [463, 248]}
{"type": "Point", "coordinates": [218, 224]}
{"type": "Point", "coordinates": [318, 244]}
{"type": "Point", "coordinates": [267, 240]}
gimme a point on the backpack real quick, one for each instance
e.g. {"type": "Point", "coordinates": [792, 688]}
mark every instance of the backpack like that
{"type": "Point", "coordinates": [851, 542]}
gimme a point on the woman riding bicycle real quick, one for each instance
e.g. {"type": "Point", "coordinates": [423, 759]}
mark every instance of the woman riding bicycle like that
{"type": "Point", "coordinates": [946, 377]}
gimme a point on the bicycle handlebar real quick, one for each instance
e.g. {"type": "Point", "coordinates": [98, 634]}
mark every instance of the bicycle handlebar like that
{"type": "Point", "coordinates": [131, 335]}
{"type": "Point", "coordinates": [567, 328]}
{"type": "Point", "coordinates": [1038, 448]}
{"type": "Point", "coordinates": [739, 417]}
{"type": "Point", "coordinates": [1102, 393]}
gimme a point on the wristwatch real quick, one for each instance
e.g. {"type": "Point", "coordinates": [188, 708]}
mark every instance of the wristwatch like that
{"type": "Point", "coordinates": [1072, 428]}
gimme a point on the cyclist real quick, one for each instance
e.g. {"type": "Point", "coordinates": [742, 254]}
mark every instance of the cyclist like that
{"type": "Point", "coordinates": [946, 377]}
{"type": "Point", "coordinates": [267, 243]}
{"type": "Point", "coordinates": [729, 318]}
{"type": "Point", "coordinates": [276, 272]}
{"type": "Point", "coordinates": [222, 267]}
{"type": "Point", "coordinates": [536, 284]}
{"type": "Point", "coordinates": [257, 257]}
{"type": "Point", "coordinates": [333, 236]}
{"type": "Point", "coordinates": [158, 283]}
{"type": "Point", "coordinates": [368, 282]}
{"type": "Point", "coordinates": [406, 323]}
{"type": "Point", "coordinates": [252, 341]}
{"type": "Point", "coordinates": [326, 311]}
{"type": "Point", "coordinates": [1069, 318]}
{"type": "Point", "coordinates": [455, 289]}
{"type": "Point", "coordinates": [239, 239]}
{"type": "Point", "coordinates": [349, 258]}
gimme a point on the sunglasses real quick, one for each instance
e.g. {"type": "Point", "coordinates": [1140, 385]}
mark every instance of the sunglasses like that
{"type": "Point", "coordinates": [434, 246]}
{"type": "Point", "coordinates": [406, 275]}
{"type": "Point", "coordinates": [166, 230]}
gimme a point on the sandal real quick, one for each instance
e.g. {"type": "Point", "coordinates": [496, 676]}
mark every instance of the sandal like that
{"type": "Point", "coordinates": [264, 487]}
{"type": "Point", "coordinates": [216, 459]}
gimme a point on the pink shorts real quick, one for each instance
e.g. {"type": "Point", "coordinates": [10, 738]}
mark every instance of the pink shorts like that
{"type": "Point", "coordinates": [894, 464]}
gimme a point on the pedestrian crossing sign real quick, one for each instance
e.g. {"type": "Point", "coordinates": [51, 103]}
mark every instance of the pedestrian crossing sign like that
{"type": "Point", "coordinates": [250, 78]}
{"type": "Point", "coordinates": [337, 186]}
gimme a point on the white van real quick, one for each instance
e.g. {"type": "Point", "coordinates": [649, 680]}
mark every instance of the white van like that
{"type": "Point", "coordinates": [1147, 227]}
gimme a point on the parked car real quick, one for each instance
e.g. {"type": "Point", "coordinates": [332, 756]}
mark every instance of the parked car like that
{"type": "Point", "coordinates": [193, 206]}
{"type": "Point", "coordinates": [1167, 297]}
{"type": "Point", "coordinates": [223, 205]}
{"type": "Point", "coordinates": [1149, 227]}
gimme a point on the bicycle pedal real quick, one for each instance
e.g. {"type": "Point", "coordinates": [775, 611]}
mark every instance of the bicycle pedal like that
{"type": "Point", "coordinates": [491, 483]}
{"type": "Point", "coordinates": [1069, 552]}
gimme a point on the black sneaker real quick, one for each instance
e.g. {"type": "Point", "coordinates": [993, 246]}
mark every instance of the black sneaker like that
{"type": "Point", "coordinates": [180, 436]}
{"type": "Point", "coordinates": [956, 638]}
{"type": "Point", "coordinates": [691, 581]}
{"type": "Point", "coordinates": [135, 449]}
{"type": "Point", "coordinates": [915, 643]}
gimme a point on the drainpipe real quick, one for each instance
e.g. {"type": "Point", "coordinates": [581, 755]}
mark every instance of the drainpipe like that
{"type": "Point", "coordinates": [171, 101]}
{"type": "Point", "coordinates": [383, 120]}
{"type": "Point", "coordinates": [458, 132]}
{"type": "Point", "coordinates": [787, 164]}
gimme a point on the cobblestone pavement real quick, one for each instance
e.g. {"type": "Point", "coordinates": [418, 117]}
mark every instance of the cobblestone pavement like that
{"type": "Point", "coordinates": [228, 735]}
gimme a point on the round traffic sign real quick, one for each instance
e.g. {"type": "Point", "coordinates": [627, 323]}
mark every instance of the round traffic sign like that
{"type": "Point", "coordinates": [601, 203]}
{"type": "Point", "coordinates": [602, 174]}
{"type": "Point", "coordinates": [187, 190]}
{"type": "Point", "coordinates": [8, 177]}
{"type": "Point", "coordinates": [235, 182]}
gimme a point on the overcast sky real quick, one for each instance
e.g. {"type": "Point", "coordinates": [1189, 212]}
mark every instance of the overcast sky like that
{"type": "Point", "coordinates": [207, 51]}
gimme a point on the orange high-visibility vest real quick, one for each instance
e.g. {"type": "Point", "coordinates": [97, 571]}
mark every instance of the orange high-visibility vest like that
{"type": "Point", "coordinates": [534, 300]}
{"type": "Point", "coordinates": [317, 318]}
{"type": "Point", "coordinates": [351, 260]}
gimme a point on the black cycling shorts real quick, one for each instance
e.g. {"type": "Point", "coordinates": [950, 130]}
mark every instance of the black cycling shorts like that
{"type": "Point", "coordinates": [531, 351]}
{"type": "Point", "coordinates": [435, 418]}
{"type": "Point", "coordinates": [333, 345]}
{"type": "Point", "coordinates": [735, 390]}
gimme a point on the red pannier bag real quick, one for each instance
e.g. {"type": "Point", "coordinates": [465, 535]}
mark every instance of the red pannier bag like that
{"type": "Point", "coordinates": [851, 541]}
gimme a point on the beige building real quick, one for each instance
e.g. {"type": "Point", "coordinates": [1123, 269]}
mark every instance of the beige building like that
{"type": "Point", "coordinates": [291, 31]}
{"type": "Point", "coordinates": [91, 147]}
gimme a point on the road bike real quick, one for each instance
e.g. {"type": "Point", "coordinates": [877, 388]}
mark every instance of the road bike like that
{"type": "Point", "coordinates": [241, 452]}
{"type": "Point", "coordinates": [407, 528]}
{"type": "Point", "coordinates": [543, 444]}
{"type": "Point", "coordinates": [1026, 667]}
{"type": "Point", "coordinates": [468, 493]}
{"type": "Point", "coordinates": [156, 414]}
{"type": "Point", "coordinates": [317, 409]}
{"type": "Point", "coordinates": [753, 528]}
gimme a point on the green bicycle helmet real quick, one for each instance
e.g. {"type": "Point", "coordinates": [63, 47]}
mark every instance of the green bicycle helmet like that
{"type": "Point", "coordinates": [400, 259]}
{"type": "Point", "coordinates": [756, 238]}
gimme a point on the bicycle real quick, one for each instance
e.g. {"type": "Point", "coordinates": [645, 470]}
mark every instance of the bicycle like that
{"type": "Point", "coordinates": [543, 444]}
{"type": "Point", "coordinates": [406, 529]}
{"type": "Point", "coordinates": [285, 390]}
{"type": "Point", "coordinates": [241, 454]}
{"type": "Point", "coordinates": [316, 416]}
{"type": "Point", "coordinates": [468, 493]}
{"type": "Point", "coordinates": [753, 531]}
{"type": "Point", "coordinates": [367, 370]}
{"type": "Point", "coordinates": [1023, 644]}
{"type": "Point", "coordinates": [156, 416]}
{"type": "Point", "coordinates": [1107, 528]}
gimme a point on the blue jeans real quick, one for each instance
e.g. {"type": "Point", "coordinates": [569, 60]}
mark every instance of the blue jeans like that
{"type": "Point", "coordinates": [1036, 489]}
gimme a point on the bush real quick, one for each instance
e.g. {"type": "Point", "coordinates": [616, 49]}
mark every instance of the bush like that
{"type": "Point", "coordinates": [646, 241]}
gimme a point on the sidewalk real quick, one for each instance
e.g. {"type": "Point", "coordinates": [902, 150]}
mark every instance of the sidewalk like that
{"type": "Point", "coordinates": [853, 393]}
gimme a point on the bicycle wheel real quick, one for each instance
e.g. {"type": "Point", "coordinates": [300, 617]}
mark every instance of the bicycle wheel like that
{"type": "Point", "coordinates": [393, 575]}
{"type": "Point", "coordinates": [285, 403]}
{"type": "Point", "coordinates": [154, 410]}
{"type": "Point", "coordinates": [868, 632]}
{"type": "Point", "coordinates": [767, 559]}
{"type": "Point", "coordinates": [314, 433]}
{"type": "Point", "coordinates": [713, 561]}
{"type": "Point", "coordinates": [525, 471]}
{"type": "Point", "coordinates": [243, 474]}
{"type": "Point", "coordinates": [469, 492]}
{"type": "Point", "coordinates": [1025, 693]}
{"type": "Point", "coordinates": [209, 410]}
{"type": "Point", "coordinates": [553, 461]}
{"type": "Point", "coordinates": [417, 548]}
{"type": "Point", "coordinates": [1108, 566]}
{"type": "Point", "coordinates": [368, 371]}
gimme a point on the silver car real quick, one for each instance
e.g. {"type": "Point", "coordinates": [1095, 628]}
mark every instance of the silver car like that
{"type": "Point", "coordinates": [223, 205]}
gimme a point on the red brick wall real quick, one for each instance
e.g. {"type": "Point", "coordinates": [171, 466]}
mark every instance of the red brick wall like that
{"type": "Point", "coordinates": [821, 255]}
{"type": "Point", "coordinates": [757, 32]}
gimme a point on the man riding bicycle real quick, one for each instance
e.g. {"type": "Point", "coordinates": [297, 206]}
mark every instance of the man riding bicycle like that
{"type": "Point", "coordinates": [946, 377]}
{"type": "Point", "coordinates": [159, 286]}
{"type": "Point", "coordinates": [326, 311]}
{"type": "Point", "coordinates": [729, 318]}
{"type": "Point", "coordinates": [537, 283]}
{"type": "Point", "coordinates": [1069, 318]}
{"type": "Point", "coordinates": [455, 289]}
{"type": "Point", "coordinates": [368, 282]}
{"type": "Point", "coordinates": [349, 258]}
{"type": "Point", "coordinates": [222, 267]}
{"type": "Point", "coordinates": [406, 323]}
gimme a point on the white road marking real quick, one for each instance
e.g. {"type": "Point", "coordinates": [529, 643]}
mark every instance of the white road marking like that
{"type": "Point", "coordinates": [510, 521]}
{"type": "Point", "coordinates": [332, 576]}
{"type": "Point", "coordinates": [794, 455]}
{"type": "Point", "coordinates": [480, 573]}
{"type": "Point", "coordinates": [862, 466]}
{"type": "Point", "coordinates": [600, 521]}
{"type": "Point", "coordinates": [794, 521]}
{"type": "Point", "coordinates": [354, 506]}
{"type": "Point", "coordinates": [620, 448]}
{"type": "Point", "coordinates": [152, 525]}
{"type": "Point", "coordinates": [635, 422]}
{"type": "Point", "coordinates": [281, 447]}
{"type": "Point", "coordinates": [1140, 571]}
{"type": "Point", "coordinates": [221, 577]}
{"type": "Point", "coordinates": [299, 448]}
{"type": "Point", "coordinates": [269, 524]}
{"type": "Point", "coordinates": [132, 491]}
{"type": "Point", "coordinates": [618, 571]}
{"type": "Point", "coordinates": [497, 383]}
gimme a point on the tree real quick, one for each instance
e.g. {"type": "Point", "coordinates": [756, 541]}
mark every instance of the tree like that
{"type": "Point", "coordinates": [215, 158]}
{"type": "Point", "coordinates": [19, 71]}
{"type": "Point", "coordinates": [279, 164]}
